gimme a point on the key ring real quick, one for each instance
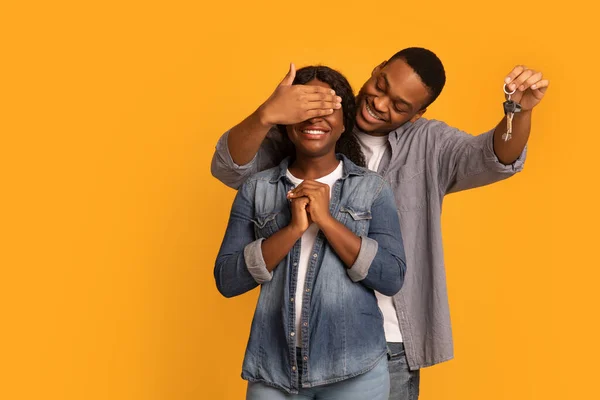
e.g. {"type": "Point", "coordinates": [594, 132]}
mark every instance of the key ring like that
{"type": "Point", "coordinates": [509, 93]}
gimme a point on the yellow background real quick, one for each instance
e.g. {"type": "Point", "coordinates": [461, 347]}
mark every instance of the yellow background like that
{"type": "Point", "coordinates": [111, 220]}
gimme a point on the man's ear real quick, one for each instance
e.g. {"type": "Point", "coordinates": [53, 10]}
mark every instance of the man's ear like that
{"type": "Point", "coordinates": [418, 115]}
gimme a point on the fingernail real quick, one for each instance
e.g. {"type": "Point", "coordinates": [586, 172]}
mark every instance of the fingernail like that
{"type": "Point", "coordinates": [507, 79]}
{"type": "Point", "coordinates": [534, 86]}
{"type": "Point", "coordinates": [339, 99]}
{"type": "Point", "coordinates": [521, 88]}
{"type": "Point", "coordinates": [338, 105]}
{"type": "Point", "coordinates": [333, 92]}
{"type": "Point", "coordinates": [511, 86]}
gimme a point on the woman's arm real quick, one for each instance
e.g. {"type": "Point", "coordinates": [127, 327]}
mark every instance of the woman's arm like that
{"type": "Point", "coordinates": [244, 262]}
{"type": "Point", "coordinates": [381, 264]}
{"type": "Point", "coordinates": [376, 260]}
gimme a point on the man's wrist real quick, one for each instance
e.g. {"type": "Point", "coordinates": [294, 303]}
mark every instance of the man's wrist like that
{"type": "Point", "coordinates": [263, 117]}
{"type": "Point", "coordinates": [523, 114]}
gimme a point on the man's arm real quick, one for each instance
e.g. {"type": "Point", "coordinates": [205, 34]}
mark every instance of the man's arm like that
{"type": "Point", "coordinates": [235, 157]}
{"type": "Point", "coordinates": [530, 88]}
{"type": "Point", "coordinates": [273, 149]}
{"type": "Point", "coordinates": [509, 151]}
{"type": "Point", "coordinates": [467, 161]}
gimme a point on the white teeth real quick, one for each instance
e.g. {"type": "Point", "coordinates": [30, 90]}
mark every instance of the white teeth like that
{"type": "Point", "coordinates": [371, 112]}
{"type": "Point", "coordinates": [314, 132]}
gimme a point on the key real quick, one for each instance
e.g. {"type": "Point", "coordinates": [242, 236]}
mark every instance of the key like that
{"type": "Point", "coordinates": [510, 108]}
{"type": "Point", "coordinates": [508, 135]}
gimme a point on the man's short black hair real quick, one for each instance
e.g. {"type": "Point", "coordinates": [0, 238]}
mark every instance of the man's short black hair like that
{"type": "Point", "coordinates": [429, 68]}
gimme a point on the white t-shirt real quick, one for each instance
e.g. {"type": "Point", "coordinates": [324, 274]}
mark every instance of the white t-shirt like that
{"type": "Point", "coordinates": [373, 148]}
{"type": "Point", "coordinates": [306, 245]}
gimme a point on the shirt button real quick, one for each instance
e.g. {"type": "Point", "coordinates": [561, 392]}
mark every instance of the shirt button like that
{"type": "Point", "coordinates": [293, 368]}
{"type": "Point", "coordinates": [292, 299]}
{"type": "Point", "coordinates": [305, 324]}
{"type": "Point", "coordinates": [307, 290]}
{"type": "Point", "coordinates": [315, 255]}
{"type": "Point", "coordinates": [295, 264]}
{"type": "Point", "coordinates": [293, 334]}
{"type": "Point", "coordinates": [305, 358]}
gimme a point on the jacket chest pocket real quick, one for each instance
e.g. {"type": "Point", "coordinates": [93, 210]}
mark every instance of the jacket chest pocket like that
{"type": "Point", "coordinates": [356, 220]}
{"type": "Point", "coordinates": [265, 224]}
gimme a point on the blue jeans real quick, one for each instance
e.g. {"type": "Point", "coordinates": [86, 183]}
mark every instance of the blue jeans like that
{"type": "Point", "coordinates": [372, 385]}
{"type": "Point", "coordinates": [404, 383]}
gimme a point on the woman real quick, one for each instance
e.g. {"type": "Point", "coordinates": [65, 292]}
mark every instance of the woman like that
{"type": "Point", "coordinates": [319, 234]}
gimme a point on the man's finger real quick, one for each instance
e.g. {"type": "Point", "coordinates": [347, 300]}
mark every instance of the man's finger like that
{"type": "Point", "coordinates": [536, 77]}
{"type": "Point", "coordinates": [318, 112]}
{"type": "Point", "coordinates": [541, 85]}
{"type": "Point", "coordinates": [323, 97]}
{"type": "Point", "coordinates": [290, 76]}
{"type": "Point", "coordinates": [540, 89]}
{"type": "Point", "coordinates": [317, 89]}
{"type": "Point", "coordinates": [519, 80]}
{"type": "Point", "coordinates": [321, 105]}
{"type": "Point", "coordinates": [514, 73]}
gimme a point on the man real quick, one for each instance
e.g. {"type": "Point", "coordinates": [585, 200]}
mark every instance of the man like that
{"type": "Point", "coordinates": [422, 159]}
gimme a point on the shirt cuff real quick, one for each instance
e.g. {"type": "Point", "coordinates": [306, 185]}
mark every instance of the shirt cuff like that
{"type": "Point", "coordinates": [366, 254]}
{"type": "Point", "coordinates": [490, 155]}
{"type": "Point", "coordinates": [256, 263]}
{"type": "Point", "coordinates": [225, 155]}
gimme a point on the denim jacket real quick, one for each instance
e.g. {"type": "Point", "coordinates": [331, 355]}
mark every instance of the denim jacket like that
{"type": "Point", "coordinates": [342, 326]}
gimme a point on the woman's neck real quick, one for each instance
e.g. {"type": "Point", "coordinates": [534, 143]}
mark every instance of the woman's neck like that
{"type": "Point", "coordinates": [306, 167]}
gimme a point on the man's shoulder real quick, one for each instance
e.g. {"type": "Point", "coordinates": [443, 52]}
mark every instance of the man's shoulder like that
{"type": "Point", "coordinates": [433, 126]}
{"type": "Point", "coordinates": [426, 134]}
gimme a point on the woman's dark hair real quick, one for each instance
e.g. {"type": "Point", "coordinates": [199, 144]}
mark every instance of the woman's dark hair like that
{"type": "Point", "coordinates": [347, 144]}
